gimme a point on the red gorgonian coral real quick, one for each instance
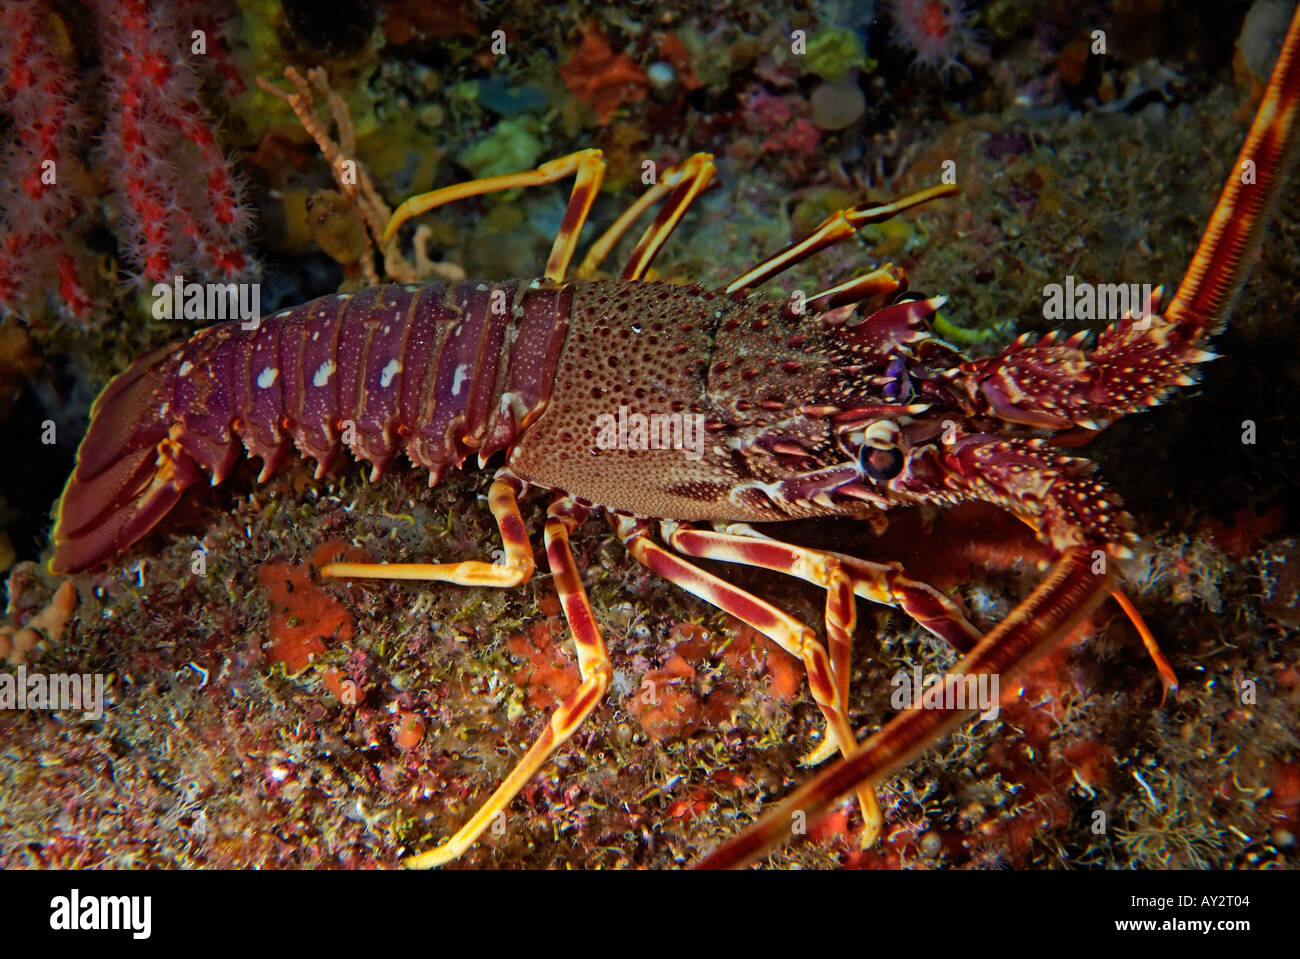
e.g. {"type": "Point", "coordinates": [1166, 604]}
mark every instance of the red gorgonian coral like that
{"type": "Point", "coordinates": [175, 204]}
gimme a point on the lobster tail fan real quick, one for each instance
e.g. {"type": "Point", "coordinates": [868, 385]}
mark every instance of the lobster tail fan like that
{"type": "Point", "coordinates": [129, 472]}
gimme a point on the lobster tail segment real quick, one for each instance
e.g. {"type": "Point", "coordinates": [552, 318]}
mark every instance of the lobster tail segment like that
{"type": "Point", "coordinates": [130, 469]}
{"type": "Point", "coordinates": [1242, 214]}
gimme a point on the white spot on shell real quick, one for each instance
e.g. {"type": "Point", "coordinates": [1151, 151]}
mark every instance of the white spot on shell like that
{"type": "Point", "coordinates": [185, 369]}
{"type": "Point", "coordinates": [323, 374]}
{"type": "Point", "coordinates": [266, 378]}
{"type": "Point", "coordinates": [462, 374]}
{"type": "Point", "coordinates": [388, 372]}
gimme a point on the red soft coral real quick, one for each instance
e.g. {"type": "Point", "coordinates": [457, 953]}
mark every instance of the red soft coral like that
{"type": "Point", "coordinates": [182, 208]}
{"type": "Point", "coordinates": [178, 204]}
{"type": "Point", "coordinates": [36, 200]}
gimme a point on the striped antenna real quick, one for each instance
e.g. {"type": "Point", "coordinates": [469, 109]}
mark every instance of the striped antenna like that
{"type": "Point", "coordinates": [1242, 214]}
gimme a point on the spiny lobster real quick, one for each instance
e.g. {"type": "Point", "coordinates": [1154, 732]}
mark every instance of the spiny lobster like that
{"type": "Point", "coordinates": [805, 414]}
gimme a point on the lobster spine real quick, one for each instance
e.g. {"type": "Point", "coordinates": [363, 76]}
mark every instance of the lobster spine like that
{"type": "Point", "coordinates": [436, 371]}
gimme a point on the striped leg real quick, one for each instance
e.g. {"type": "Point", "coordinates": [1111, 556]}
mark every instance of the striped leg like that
{"type": "Point", "coordinates": [884, 583]}
{"type": "Point", "coordinates": [588, 170]}
{"type": "Point", "coordinates": [681, 184]}
{"type": "Point", "coordinates": [842, 577]}
{"type": "Point", "coordinates": [1168, 680]}
{"type": "Point", "coordinates": [839, 226]}
{"type": "Point", "coordinates": [503, 499]}
{"type": "Point", "coordinates": [787, 632]}
{"type": "Point", "coordinates": [1069, 593]}
{"type": "Point", "coordinates": [879, 283]}
{"type": "Point", "coordinates": [593, 662]}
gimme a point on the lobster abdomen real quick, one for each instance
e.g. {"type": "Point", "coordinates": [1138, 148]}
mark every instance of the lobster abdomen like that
{"type": "Point", "coordinates": [437, 371]}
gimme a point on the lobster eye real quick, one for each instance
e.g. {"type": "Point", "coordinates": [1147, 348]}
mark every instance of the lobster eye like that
{"type": "Point", "coordinates": [880, 464]}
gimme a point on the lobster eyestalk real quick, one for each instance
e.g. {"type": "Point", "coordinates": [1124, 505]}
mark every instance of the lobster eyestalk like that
{"type": "Point", "coordinates": [1071, 591]}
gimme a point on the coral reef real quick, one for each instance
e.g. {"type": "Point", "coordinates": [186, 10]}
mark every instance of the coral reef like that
{"type": "Point", "coordinates": [937, 32]}
{"type": "Point", "coordinates": [599, 76]}
{"type": "Point", "coordinates": [47, 625]}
